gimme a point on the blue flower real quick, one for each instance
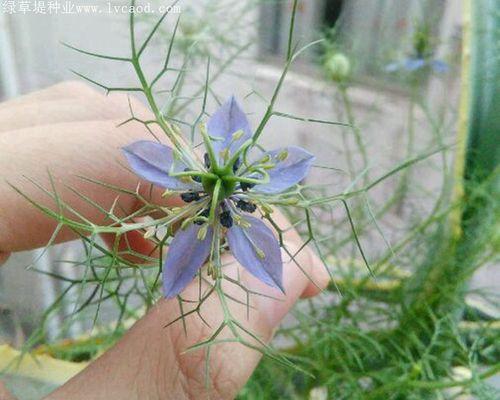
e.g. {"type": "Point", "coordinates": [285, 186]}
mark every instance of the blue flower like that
{"type": "Point", "coordinates": [222, 190]}
{"type": "Point", "coordinates": [418, 63]}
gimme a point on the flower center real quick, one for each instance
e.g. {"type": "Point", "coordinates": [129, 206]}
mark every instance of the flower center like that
{"type": "Point", "coordinates": [227, 185]}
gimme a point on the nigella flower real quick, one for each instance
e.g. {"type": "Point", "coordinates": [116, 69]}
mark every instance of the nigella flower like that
{"type": "Point", "coordinates": [416, 64]}
{"type": "Point", "coordinates": [222, 192]}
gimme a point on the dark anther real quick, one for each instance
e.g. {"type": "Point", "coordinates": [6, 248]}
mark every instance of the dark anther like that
{"type": "Point", "coordinates": [245, 186]}
{"type": "Point", "coordinates": [188, 197]}
{"type": "Point", "coordinates": [194, 178]}
{"type": "Point", "coordinates": [206, 158]}
{"type": "Point", "coordinates": [226, 220]}
{"type": "Point", "coordinates": [205, 213]}
{"type": "Point", "coordinates": [246, 206]}
{"type": "Point", "coordinates": [236, 165]}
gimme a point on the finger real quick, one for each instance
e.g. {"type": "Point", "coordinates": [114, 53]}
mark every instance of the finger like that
{"type": "Point", "coordinates": [164, 365]}
{"type": "Point", "coordinates": [3, 257]}
{"type": "Point", "coordinates": [67, 102]}
{"type": "Point", "coordinates": [63, 90]}
{"type": "Point", "coordinates": [68, 150]}
{"type": "Point", "coordinates": [4, 393]}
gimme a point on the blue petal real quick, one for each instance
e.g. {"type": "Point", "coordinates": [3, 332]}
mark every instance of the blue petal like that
{"type": "Point", "coordinates": [186, 255]}
{"type": "Point", "coordinates": [413, 64]}
{"type": "Point", "coordinates": [228, 119]}
{"type": "Point", "coordinates": [243, 243]}
{"type": "Point", "coordinates": [152, 161]}
{"type": "Point", "coordinates": [439, 66]}
{"type": "Point", "coordinates": [288, 172]}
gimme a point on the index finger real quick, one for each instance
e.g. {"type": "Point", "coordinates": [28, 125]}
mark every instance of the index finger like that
{"type": "Point", "coordinates": [81, 140]}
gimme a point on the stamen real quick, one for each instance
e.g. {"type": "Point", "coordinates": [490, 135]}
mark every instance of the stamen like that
{"type": "Point", "coordinates": [194, 178]}
{"type": "Point", "coordinates": [189, 197]}
{"type": "Point", "coordinates": [205, 213]}
{"type": "Point", "coordinates": [237, 135]}
{"type": "Point", "coordinates": [202, 233]}
{"type": "Point", "coordinates": [236, 165]}
{"type": "Point", "coordinates": [246, 206]}
{"type": "Point", "coordinates": [259, 252]}
{"type": "Point", "coordinates": [226, 220]}
{"type": "Point", "coordinates": [245, 186]}
{"type": "Point", "coordinates": [283, 155]}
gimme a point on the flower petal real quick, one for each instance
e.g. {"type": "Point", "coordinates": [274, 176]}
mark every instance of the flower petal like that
{"type": "Point", "coordinates": [152, 161]}
{"type": "Point", "coordinates": [287, 172]}
{"type": "Point", "coordinates": [413, 64]}
{"type": "Point", "coordinates": [243, 243]}
{"type": "Point", "coordinates": [228, 119]}
{"type": "Point", "coordinates": [439, 66]}
{"type": "Point", "coordinates": [186, 255]}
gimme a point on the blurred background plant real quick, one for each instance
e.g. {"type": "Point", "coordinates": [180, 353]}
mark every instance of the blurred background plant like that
{"type": "Point", "coordinates": [415, 328]}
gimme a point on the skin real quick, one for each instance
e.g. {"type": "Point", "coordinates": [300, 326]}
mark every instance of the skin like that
{"type": "Point", "coordinates": [71, 130]}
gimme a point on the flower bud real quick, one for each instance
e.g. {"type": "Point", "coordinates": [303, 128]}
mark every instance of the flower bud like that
{"type": "Point", "coordinates": [338, 67]}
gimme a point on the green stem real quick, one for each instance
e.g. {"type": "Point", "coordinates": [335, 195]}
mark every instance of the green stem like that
{"type": "Point", "coordinates": [355, 129]}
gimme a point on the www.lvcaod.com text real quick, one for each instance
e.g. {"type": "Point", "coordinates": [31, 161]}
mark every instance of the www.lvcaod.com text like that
{"type": "Point", "coordinates": [70, 7]}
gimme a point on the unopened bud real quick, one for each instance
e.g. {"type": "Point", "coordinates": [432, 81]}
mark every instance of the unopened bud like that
{"type": "Point", "coordinates": [338, 67]}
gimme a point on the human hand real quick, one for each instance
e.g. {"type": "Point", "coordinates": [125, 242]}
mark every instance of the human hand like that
{"type": "Point", "coordinates": [72, 131]}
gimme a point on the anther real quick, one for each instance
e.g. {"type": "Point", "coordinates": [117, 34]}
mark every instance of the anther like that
{"type": "Point", "coordinates": [236, 165]}
{"type": "Point", "coordinates": [246, 206]}
{"type": "Point", "coordinates": [245, 186]}
{"type": "Point", "coordinates": [189, 197]}
{"type": "Point", "coordinates": [226, 220]}
{"type": "Point", "coordinates": [205, 213]}
{"type": "Point", "coordinates": [194, 178]}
